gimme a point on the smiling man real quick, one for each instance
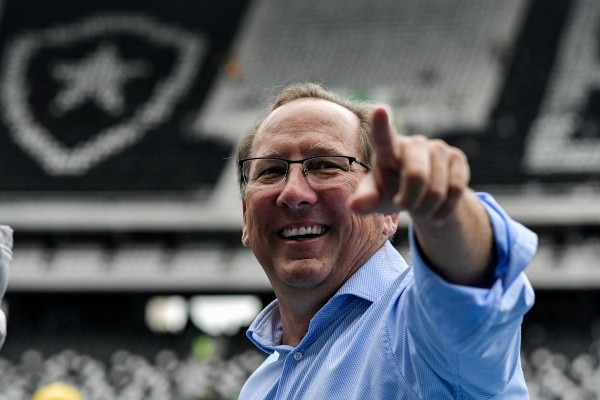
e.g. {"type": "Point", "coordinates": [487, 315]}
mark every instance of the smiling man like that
{"type": "Point", "coordinates": [323, 182]}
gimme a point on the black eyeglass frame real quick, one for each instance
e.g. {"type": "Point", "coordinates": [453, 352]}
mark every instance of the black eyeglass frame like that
{"type": "Point", "coordinates": [350, 159]}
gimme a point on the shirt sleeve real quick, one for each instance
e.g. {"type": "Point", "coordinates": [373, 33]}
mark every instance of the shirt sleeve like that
{"type": "Point", "coordinates": [6, 244]}
{"type": "Point", "coordinates": [473, 334]}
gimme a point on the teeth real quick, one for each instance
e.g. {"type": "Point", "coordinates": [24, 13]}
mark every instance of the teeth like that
{"type": "Point", "coordinates": [304, 230]}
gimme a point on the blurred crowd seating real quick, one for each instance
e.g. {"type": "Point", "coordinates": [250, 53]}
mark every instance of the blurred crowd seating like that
{"type": "Point", "coordinates": [561, 367]}
{"type": "Point", "coordinates": [566, 259]}
{"type": "Point", "coordinates": [128, 376]}
{"type": "Point", "coordinates": [163, 216]}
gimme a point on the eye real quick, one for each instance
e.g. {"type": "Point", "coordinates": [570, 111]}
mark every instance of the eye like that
{"type": "Point", "coordinates": [324, 164]}
{"type": "Point", "coordinates": [271, 170]}
{"type": "Point", "coordinates": [268, 170]}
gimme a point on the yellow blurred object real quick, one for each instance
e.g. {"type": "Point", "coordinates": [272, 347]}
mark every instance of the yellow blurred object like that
{"type": "Point", "coordinates": [57, 391]}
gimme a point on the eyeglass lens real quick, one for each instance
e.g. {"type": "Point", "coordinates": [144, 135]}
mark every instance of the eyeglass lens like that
{"type": "Point", "coordinates": [320, 171]}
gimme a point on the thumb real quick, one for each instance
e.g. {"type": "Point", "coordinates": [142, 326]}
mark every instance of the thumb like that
{"type": "Point", "coordinates": [366, 197]}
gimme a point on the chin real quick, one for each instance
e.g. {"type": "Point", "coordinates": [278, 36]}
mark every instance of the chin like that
{"type": "Point", "coordinates": [303, 275]}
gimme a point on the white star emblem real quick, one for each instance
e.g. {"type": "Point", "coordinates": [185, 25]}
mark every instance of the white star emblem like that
{"type": "Point", "coordinates": [99, 77]}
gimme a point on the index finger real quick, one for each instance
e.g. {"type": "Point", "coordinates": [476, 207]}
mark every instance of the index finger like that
{"type": "Point", "coordinates": [382, 137]}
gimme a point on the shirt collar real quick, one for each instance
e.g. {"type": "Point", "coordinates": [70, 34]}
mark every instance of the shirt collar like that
{"type": "Point", "coordinates": [372, 279]}
{"type": "Point", "coordinates": [369, 282]}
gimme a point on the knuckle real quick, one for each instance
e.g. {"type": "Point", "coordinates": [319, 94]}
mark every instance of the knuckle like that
{"type": "Point", "coordinates": [455, 189]}
{"type": "Point", "coordinates": [439, 145]}
{"type": "Point", "coordinates": [415, 174]}
{"type": "Point", "coordinates": [419, 138]}
{"type": "Point", "coordinates": [437, 193]}
{"type": "Point", "coordinates": [458, 154]}
{"type": "Point", "coordinates": [418, 141]}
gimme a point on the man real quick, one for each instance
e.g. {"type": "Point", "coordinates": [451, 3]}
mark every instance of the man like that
{"type": "Point", "coordinates": [323, 182]}
{"type": "Point", "coordinates": [6, 243]}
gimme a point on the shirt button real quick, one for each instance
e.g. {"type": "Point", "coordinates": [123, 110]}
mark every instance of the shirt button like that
{"type": "Point", "coordinates": [297, 356]}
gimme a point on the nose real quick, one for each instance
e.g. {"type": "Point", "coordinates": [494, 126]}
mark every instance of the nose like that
{"type": "Point", "coordinates": [296, 192]}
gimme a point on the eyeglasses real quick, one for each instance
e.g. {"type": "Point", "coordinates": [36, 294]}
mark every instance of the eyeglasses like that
{"type": "Point", "coordinates": [320, 171]}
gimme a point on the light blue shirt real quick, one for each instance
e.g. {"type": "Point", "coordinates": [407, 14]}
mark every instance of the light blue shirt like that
{"type": "Point", "coordinates": [399, 332]}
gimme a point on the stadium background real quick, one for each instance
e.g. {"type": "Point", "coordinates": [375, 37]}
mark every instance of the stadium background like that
{"type": "Point", "coordinates": [118, 121]}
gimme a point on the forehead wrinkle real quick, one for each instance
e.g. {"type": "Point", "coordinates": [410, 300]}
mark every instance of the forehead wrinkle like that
{"type": "Point", "coordinates": [311, 108]}
{"type": "Point", "coordinates": [310, 118]}
{"type": "Point", "coordinates": [294, 123]}
{"type": "Point", "coordinates": [324, 148]}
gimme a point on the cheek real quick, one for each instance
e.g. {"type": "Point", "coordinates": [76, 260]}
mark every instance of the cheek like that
{"type": "Point", "coordinates": [337, 197]}
{"type": "Point", "coordinates": [369, 227]}
{"type": "Point", "coordinates": [257, 213]}
{"type": "Point", "coordinates": [253, 220]}
{"type": "Point", "coordinates": [354, 181]}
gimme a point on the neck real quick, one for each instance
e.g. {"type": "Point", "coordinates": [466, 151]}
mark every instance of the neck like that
{"type": "Point", "coordinates": [298, 306]}
{"type": "Point", "coordinates": [296, 311]}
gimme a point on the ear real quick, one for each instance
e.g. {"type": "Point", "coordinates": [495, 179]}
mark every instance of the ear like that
{"type": "Point", "coordinates": [245, 236]}
{"type": "Point", "coordinates": [390, 223]}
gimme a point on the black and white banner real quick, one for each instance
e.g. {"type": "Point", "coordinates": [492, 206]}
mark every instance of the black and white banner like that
{"type": "Point", "coordinates": [565, 137]}
{"type": "Point", "coordinates": [94, 96]}
{"type": "Point", "coordinates": [134, 96]}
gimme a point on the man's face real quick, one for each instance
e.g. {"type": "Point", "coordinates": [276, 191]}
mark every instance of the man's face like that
{"type": "Point", "coordinates": [300, 129]}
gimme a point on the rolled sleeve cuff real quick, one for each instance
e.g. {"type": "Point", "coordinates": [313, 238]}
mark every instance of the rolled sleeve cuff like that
{"type": "Point", "coordinates": [515, 247]}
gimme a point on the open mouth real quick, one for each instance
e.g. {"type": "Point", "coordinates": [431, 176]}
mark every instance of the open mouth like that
{"type": "Point", "coordinates": [304, 232]}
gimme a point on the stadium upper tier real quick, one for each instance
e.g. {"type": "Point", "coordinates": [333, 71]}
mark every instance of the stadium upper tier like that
{"type": "Point", "coordinates": [124, 119]}
{"type": "Point", "coordinates": [182, 262]}
{"type": "Point", "coordinates": [127, 118]}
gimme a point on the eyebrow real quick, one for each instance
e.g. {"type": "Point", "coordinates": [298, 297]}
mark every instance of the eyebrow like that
{"type": "Point", "coordinates": [325, 148]}
{"type": "Point", "coordinates": [274, 154]}
{"type": "Point", "coordinates": [319, 148]}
